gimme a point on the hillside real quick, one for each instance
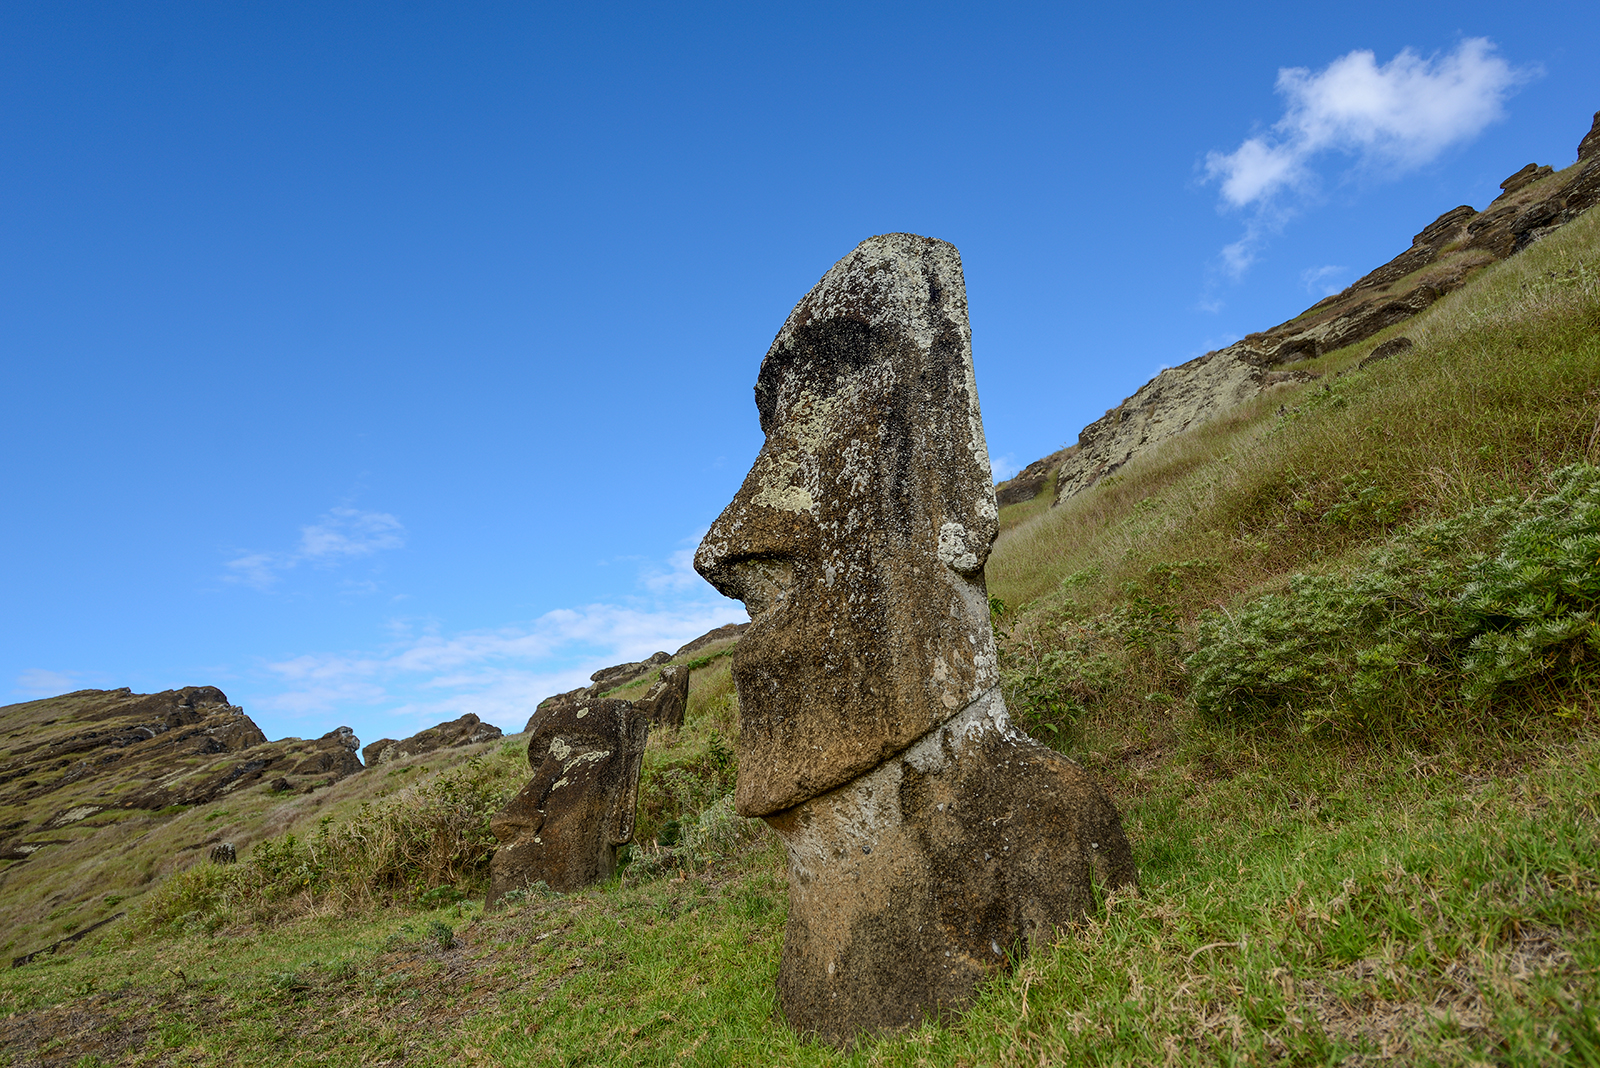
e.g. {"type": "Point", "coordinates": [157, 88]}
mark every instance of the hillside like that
{"type": "Point", "coordinates": [1534, 202]}
{"type": "Point", "coordinates": [1333, 651]}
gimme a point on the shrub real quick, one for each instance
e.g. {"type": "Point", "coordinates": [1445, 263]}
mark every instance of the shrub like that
{"type": "Point", "coordinates": [1455, 611]}
{"type": "Point", "coordinates": [428, 843]}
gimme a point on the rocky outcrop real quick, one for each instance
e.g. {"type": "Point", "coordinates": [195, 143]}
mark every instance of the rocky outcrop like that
{"type": "Point", "coordinates": [563, 828]}
{"type": "Point", "coordinates": [464, 730]}
{"type": "Point", "coordinates": [621, 674]}
{"type": "Point", "coordinates": [73, 758]}
{"type": "Point", "coordinates": [132, 750]}
{"type": "Point", "coordinates": [928, 839]}
{"type": "Point", "coordinates": [1589, 147]}
{"type": "Point", "coordinates": [1026, 484]}
{"type": "Point", "coordinates": [729, 632]}
{"type": "Point", "coordinates": [1535, 201]}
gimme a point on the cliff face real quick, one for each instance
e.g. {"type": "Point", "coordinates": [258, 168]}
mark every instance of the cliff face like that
{"type": "Point", "coordinates": [1534, 201]}
{"type": "Point", "coordinates": [69, 758]}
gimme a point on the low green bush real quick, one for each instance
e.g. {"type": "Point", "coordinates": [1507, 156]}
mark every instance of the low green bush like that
{"type": "Point", "coordinates": [429, 843]}
{"type": "Point", "coordinates": [1450, 614]}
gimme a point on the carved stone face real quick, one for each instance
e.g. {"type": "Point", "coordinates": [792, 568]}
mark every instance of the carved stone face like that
{"type": "Point", "coordinates": [858, 539]}
{"type": "Point", "coordinates": [564, 826]}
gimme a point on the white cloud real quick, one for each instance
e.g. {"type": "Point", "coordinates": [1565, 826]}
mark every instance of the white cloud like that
{"type": "Point", "coordinates": [679, 573]}
{"type": "Point", "coordinates": [1393, 117]}
{"type": "Point", "coordinates": [499, 674]}
{"type": "Point", "coordinates": [38, 682]}
{"type": "Point", "coordinates": [1323, 281]}
{"type": "Point", "coordinates": [342, 534]}
{"type": "Point", "coordinates": [1003, 467]}
{"type": "Point", "coordinates": [346, 532]}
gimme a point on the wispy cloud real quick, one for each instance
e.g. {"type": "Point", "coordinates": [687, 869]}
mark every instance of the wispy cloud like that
{"type": "Point", "coordinates": [1004, 467]}
{"type": "Point", "coordinates": [1390, 118]}
{"type": "Point", "coordinates": [341, 535]}
{"type": "Point", "coordinates": [500, 674]}
{"type": "Point", "coordinates": [37, 682]}
{"type": "Point", "coordinates": [1323, 281]}
{"type": "Point", "coordinates": [679, 573]}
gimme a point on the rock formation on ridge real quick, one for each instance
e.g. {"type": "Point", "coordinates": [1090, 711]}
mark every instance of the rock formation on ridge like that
{"type": "Point", "coordinates": [467, 729]}
{"type": "Point", "coordinates": [927, 837]}
{"type": "Point", "coordinates": [1534, 201]}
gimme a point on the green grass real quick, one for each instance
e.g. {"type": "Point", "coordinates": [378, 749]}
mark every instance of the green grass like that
{"type": "Point", "coordinates": [1420, 886]}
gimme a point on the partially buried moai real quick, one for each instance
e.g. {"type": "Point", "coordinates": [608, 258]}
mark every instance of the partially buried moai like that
{"type": "Point", "coordinates": [927, 837]}
{"type": "Point", "coordinates": [564, 827]}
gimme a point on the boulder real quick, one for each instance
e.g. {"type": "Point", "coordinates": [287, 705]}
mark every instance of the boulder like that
{"type": "Point", "coordinates": [722, 634]}
{"type": "Point", "coordinates": [464, 730]}
{"type": "Point", "coordinates": [1526, 176]}
{"type": "Point", "coordinates": [223, 853]}
{"type": "Point", "coordinates": [372, 755]}
{"type": "Point", "coordinates": [928, 839]}
{"type": "Point", "coordinates": [1589, 147]}
{"type": "Point", "coordinates": [564, 826]}
{"type": "Point", "coordinates": [668, 699]}
{"type": "Point", "coordinates": [344, 736]}
{"type": "Point", "coordinates": [1393, 347]}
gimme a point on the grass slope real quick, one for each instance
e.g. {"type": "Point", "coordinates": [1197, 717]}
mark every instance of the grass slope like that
{"type": "Point", "coordinates": [1316, 889]}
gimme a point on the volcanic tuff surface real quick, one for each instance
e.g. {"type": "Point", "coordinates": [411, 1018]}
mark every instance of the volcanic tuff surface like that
{"type": "Point", "coordinates": [1534, 201]}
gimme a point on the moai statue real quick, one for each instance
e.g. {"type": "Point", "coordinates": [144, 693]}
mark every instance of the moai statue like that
{"type": "Point", "coordinates": [564, 826]}
{"type": "Point", "coordinates": [668, 699]}
{"type": "Point", "coordinates": [928, 838]}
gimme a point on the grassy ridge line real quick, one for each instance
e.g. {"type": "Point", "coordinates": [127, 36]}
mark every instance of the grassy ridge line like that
{"type": "Point", "coordinates": [1501, 386]}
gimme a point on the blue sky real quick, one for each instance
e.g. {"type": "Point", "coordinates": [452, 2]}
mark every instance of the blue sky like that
{"type": "Point", "coordinates": [383, 362]}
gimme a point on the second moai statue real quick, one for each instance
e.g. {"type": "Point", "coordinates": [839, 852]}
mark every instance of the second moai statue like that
{"type": "Point", "coordinates": [563, 828]}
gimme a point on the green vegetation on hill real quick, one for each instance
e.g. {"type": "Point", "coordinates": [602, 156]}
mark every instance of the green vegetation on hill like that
{"type": "Point", "coordinates": [1333, 655]}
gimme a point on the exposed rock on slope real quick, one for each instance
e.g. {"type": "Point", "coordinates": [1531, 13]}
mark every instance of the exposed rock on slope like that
{"type": "Point", "coordinates": [465, 730]}
{"type": "Point", "coordinates": [114, 748]}
{"type": "Point", "coordinates": [1534, 201]}
{"type": "Point", "coordinates": [70, 758]}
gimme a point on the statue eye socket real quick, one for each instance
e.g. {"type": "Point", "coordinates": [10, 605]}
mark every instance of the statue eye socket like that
{"type": "Point", "coordinates": [829, 352]}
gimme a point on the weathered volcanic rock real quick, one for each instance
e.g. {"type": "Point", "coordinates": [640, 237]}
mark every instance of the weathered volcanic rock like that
{"type": "Point", "coordinates": [1531, 173]}
{"type": "Point", "coordinates": [917, 881]}
{"type": "Point", "coordinates": [464, 730]}
{"type": "Point", "coordinates": [80, 754]}
{"type": "Point", "coordinates": [1534, 201]}
{"type": "Point", "coordinates": [1026, 484]}
{"type": "Point", "coordinates": [668, 699]}
{"type": "Point", "coordinates": [373, 753]}
{"type": "Point", "coordinates": [564, 826]}
{"type": "Point", "coordinates": [927, 837]}
{"type": "Point", "coordinates": [721, 634]}
{"type": "Point", "coordinates": [622, 674]}
{"type": "Point", "coordinates": [1589, 147]}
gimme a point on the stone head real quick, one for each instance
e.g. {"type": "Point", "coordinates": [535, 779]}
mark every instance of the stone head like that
{"type": "Point", "coordinates": [858, 539]}
{"type": "Point", "coordinates": [584, 742]}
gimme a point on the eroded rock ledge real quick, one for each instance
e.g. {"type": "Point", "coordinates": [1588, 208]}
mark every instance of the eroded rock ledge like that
{"type": "Point", "coordinates": [1534, 201]}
